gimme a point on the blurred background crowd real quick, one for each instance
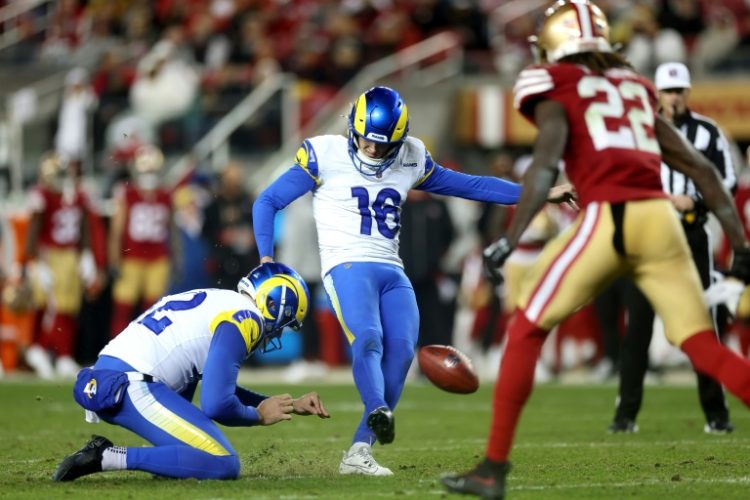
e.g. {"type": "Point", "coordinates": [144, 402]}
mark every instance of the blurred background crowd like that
{"type": "Point", "coordinates": [134, 135]}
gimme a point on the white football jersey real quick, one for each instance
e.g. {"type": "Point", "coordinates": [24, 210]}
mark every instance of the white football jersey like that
{"type": "Point", "coordinates": [171, 339]}
{"type": "Point", "coordinates": [358, 217]}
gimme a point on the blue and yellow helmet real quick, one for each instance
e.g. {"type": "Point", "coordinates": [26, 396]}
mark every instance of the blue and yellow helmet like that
{"type": "Point", "coordinates": [378, 115]}
{"type": "Point", "coordinates": [281, 296]}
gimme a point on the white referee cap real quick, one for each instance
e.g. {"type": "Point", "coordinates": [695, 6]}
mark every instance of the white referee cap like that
{"type": "Point", "coordinates": [672, 75]}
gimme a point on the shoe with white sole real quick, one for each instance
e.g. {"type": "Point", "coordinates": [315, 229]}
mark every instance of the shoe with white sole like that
{"type": "Point", "coordinates": [359, 460]}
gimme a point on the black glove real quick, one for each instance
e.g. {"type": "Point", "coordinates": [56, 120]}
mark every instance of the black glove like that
{"type": "Point", "coordinates": [494, 256]}
{"type": "Point", "coordinates": [741, 265]}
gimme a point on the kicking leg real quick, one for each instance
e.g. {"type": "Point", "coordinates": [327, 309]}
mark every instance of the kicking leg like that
{"type": "Point", "coordinates": [400, 317]}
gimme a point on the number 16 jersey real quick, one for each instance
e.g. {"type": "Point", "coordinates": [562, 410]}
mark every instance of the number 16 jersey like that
{"type": "Point", "coordinates": [358, 217]}
{"type": "Point", "coordinates": [612, 153]}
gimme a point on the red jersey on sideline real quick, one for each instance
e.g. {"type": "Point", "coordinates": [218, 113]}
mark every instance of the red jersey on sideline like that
{"type": "Point", "coordinates": [146, 234]}
{"type": "Point", "coordinates": [61, 216]}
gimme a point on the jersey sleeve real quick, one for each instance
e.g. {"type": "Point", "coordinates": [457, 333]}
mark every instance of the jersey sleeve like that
{"type": "Point", "coordinates": [220, 398]}
{"type": "Point", "coordinates": [724, 161]}
{"type": "Point", "coordinates": [719, 153]}
{"type": "Point", "coordinates": [307, 160]}
{"type": "Point", "coordinates": [429, 168]}
{"type": "Point", "coordinates": [549, 81]}
{"type": "Point", "coordinates": [471, 187]}
{"type": "Point", "coordinates": [37, 201]}
{"type": "Point", "coordinates": [291, 185]}
{"type": "Point", "coordinates": [248, 324]}
{"type": "Point", "coordinates": [533, 85]}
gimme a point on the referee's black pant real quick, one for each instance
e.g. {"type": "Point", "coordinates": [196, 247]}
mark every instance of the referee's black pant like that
{"type": "Point", "coordinates": [635, 343]}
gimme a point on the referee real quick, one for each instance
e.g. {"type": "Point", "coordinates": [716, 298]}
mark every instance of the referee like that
{"type": "Point", "coordinates": [673, 84]}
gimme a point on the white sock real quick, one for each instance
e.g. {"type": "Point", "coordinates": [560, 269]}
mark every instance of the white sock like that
{"type": "Point", "coordinates": [115, 458]}
{"type": "Point", "coordinates": [357, 446]}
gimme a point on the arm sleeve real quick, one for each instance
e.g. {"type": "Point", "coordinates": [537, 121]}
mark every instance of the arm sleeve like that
{"type": "Point", "coordinates": [248, 397]}
{"type": "Point", "coordinates": [291, 185]}
{"type": "Point", "coordinates": [471, 187]}
{"type": "Point", "coordinates": [720, 155]}
{"type": "Point", "coordinates": [220, 398]}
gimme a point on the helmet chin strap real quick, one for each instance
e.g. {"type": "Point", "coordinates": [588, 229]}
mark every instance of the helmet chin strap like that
{"type": "Point", "coordinates": [371, 163]}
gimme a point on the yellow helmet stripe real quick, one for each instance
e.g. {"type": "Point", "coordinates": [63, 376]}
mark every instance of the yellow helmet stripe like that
{"type": "Point", "coordinates": [301, 296]}
{"type": "Point", "coordinates": [398, 133]}
{"type": "Point", "coordinates": [281, 280]}
{"type": "Point", "coordinates": [359, 115]}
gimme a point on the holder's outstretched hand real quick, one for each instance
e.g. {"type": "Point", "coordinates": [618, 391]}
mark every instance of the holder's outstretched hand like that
{"type": "Point", "coordinates": [275, 409]}
{"type": "Point", "coordinates": [310, 404]}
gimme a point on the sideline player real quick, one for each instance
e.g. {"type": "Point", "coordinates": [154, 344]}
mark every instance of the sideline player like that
{"type": "Point", "coordinates": [63, 224]}
{"type": "Point", "coordinates": [596, 113]}
{"type": "Point", "coordinates": [359, 183]}
{"type": "Point", "coordinates": [145, 379]}
{"type": "Point", "coordinates": [143, 240]}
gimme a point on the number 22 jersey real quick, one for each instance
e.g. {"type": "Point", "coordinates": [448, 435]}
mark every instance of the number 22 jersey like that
{"type": "Point", "coordinates": [612, 153]}
{"type": "Point", "coordinates": [359, 217]}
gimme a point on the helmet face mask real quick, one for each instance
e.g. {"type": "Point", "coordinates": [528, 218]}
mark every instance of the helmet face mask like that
{"type": "Point", "coordinates": [571, 27]}
{"type": "Point", "coordinates": [282, 298]}
{"type": "Point", "coordinates": [379, 115]}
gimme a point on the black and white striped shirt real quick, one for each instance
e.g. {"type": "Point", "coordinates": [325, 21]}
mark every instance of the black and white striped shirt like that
{"type": "Point", "coordinates": [707, 137]}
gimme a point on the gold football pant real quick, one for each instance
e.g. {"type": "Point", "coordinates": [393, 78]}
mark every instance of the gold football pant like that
{"type": "Point", "coordinates": [639, 239]}
{"type": "Point", "coordinates": [141, 279]}
{"type": "Point", "coordinates": [67, 288]}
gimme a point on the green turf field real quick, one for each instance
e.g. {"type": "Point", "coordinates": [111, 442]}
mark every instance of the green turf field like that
{"type": "Point", "coordinates": [562, 449]}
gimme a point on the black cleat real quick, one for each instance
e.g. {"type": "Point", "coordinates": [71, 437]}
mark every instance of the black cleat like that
{"type": "Point", "coordinates": [718, 426]}
{"type": "Point", "coordinates": [486, 480]}
{"type": "Point", "coordinates": [383, 424]}
{"type": "Point", "coordinates": [87, 460]}
{"type": "Point", "coordinates": [623, 425]}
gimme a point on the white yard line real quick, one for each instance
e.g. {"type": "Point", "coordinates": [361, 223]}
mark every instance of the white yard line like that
{"type": "Point", "coordinates": [626, 484]}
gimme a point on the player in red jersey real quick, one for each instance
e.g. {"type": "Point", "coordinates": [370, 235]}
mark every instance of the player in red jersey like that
{"type": "Point", "coordinates": [742, 315]}
{"type": "Point", "coordinates": [61, 226]}
{"type": "Point", "coordinates": [141, 242]}
{"type": "Point", "coordinates": [595, 113]}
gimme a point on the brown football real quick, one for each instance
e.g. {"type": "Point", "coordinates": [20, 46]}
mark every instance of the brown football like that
{"type": "Point", "coordinates": [448, 368]}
